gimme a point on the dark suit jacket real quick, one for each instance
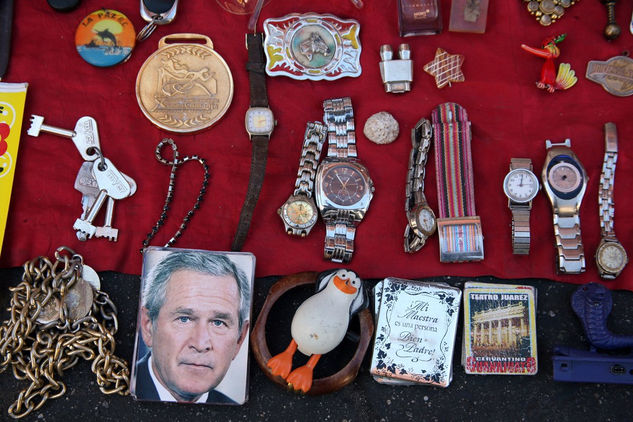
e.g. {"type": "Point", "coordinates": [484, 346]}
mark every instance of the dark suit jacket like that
{"type": "Point", "coordinates": [145, 389]}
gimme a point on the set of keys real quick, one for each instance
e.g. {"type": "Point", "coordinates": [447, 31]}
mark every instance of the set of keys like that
{"type": "Point", "coordinates": [98, 180]}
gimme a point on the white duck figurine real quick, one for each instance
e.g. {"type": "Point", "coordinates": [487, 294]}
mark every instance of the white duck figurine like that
{"type": "Point", "coordinates": [320, 324]}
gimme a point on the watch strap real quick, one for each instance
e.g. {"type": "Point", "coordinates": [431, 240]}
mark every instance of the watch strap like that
{"type": "Point", "coordinates": [520, 214]}
{"type": "Point", "coordinates": [338, 115]}
{"type": "Point", "coordinates": [571, 253]}
{"type": "Point", "coordinates": [255, 181]}
{"type": "Point", "coordinates": [6, 20]}
{"type": "Point", "coordinates": [606, 209]}
{"type": "Point", "coordinates": [340, 230]}
{"type": "Point", "coordinates": [453, 161]}
{"type": "Point", "coordinates": [459, 228]}
{"type": "Point", "coordinates": [256, 67]}
{"type": "Point", "coordinates": [313, 141]}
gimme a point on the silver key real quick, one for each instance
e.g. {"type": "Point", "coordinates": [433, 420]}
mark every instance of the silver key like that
{"type": "Point", "coordinates": [87, 185]}
{"type": "Point", "coordinates": [85, 136]}
{"type": "Point", "coordinates": [107, 230]}
{"type": "Point", "coordinates": [112, 184]}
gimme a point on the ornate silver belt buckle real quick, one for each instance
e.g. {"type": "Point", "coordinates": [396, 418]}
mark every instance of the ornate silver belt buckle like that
{"type": "Point", "coordinates": [461, 239]}
{"type": "Point", "coordinates": [312, 46]}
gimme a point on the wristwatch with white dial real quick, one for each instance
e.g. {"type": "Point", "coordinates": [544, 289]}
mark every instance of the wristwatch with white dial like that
{"type": "Point", "coordinates": [260, 122]}
{"type": "Point", "coordinates": [420, 216]}
{"type": "Point", "coordinates": [611, 257]}
{"type": "Point", "coordinates": [565, 181]}
{"type": "Point", "coordinates": [520, 186]}
{"type": "Point", "coordinates": [343, 186]}
{"type": "Point", "coordinates": [299, 213]}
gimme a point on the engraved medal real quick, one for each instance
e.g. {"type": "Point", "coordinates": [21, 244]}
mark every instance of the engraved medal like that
{"type": "Point", "coordinates": [615, 75]}
{"type": "Point", "coordinates": [184, 87]}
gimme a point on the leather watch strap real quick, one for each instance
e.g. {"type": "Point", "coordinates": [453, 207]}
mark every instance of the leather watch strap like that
{"type": "Point", "coordinates": [255, 181]}
{"type": "Point", "coordinates": [256, 67]}
{"type": "Point", "coordinates": [459, 228]}
{"type": "Point", "coordinates": [259, 98]}
{"type": "Point", "coordinates": [6, 19]}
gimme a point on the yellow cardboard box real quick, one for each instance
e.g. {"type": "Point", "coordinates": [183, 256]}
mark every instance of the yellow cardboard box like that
{"type": "Point", "coordinates": [12, 99]}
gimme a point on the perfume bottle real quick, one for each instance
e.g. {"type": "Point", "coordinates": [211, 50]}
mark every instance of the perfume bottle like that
{"type": "Point", "coordinates": [419, 17]}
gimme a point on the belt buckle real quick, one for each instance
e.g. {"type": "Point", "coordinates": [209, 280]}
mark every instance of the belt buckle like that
{"type": "Point", "coordinates": [461, 239]}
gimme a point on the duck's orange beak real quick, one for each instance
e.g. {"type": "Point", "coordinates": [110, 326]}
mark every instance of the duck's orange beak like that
{"type": "Point", "coordinates": [344, 286]}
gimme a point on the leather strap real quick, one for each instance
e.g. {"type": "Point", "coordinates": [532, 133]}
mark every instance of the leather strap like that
{"type": "Point", "coordinates": [6, 19]}
{"type": "Point", "coordinates": [256, 67]}
{"type": "Point", "coordinates": [255, 181]}
{"type": "Point", "coordinates": [259, 98]}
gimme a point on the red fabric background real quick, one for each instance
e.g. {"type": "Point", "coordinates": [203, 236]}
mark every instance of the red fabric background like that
{"type": "Point", "coordinates": [510, 118]}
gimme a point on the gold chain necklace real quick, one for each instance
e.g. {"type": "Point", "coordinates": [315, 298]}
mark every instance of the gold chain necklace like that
{"type": "Point", "coordinates": [56, 317]}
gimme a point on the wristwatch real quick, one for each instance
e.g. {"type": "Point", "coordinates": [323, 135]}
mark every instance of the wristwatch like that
{"type": "Point", "coordinates": [260, 123]}
{"type": "Point", "coordinates": [459, 227]}
{"type": "Point", "coordinates": [611, 257]}
{"type": "Point", "coordinates": [343, 187]}
{"type": "Point", "coordinates": [299, 213]}
{"type": "Point", "coordinates": [420, 216]}
{"type": "Point", "coordinates": [520, 186]}
{"type": "Point", "coordinates": [565, 182]}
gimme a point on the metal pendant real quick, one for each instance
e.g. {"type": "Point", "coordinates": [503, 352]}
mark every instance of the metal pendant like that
{"type": "Point", "coordinates": [615, 75]}
{"type": "Point", "coordinates": [312, 46]}
{"type": "Point", "coordinates": [183, 86]}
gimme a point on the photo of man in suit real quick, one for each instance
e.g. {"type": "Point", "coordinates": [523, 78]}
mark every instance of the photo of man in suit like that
{"type": "Point", "coordinates": [194, 318]}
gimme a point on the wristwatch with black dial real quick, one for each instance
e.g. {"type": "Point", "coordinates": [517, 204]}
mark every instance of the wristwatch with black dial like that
{"type": "Point", "coordinates": [299, 213]}
{"type": "Point", "coordinates": [565, 181]}
{"type": "Point", "coordinates": [520, 186]}
{"type": "Point", "coordinates": [260, 123]}
{"type": "Point", "coordinates": [343, 186]}
{"type": "Point", "coordinates": [611, 256]}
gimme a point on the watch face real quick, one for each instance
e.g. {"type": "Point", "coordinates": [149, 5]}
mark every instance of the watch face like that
{"type": "Point", "coordinates": [259, 121]}
{"type": "Point", "coordinates": [299, 213]}
{"type": "Point", "coordinates": [521, 185]}
{"type": "Point", "coordinates": [612, 257]}
{"type": "Point", "coordinates": [564, 177]}
{"type": "Point", "coordinates": [426, 221]}
{"type": "Point", "coordinates": [344, 185]}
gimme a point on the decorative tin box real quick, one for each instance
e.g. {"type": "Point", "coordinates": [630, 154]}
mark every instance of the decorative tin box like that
{"type": "Point", "coordinates": [415, 335]}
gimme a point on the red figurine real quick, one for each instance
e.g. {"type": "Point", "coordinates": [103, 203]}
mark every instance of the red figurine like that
{"type": "Point", "coordinates": [550, 80]}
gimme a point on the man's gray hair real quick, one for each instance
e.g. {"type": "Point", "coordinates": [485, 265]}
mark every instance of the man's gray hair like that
{"type": "Point", "coordinates": [201, 262]}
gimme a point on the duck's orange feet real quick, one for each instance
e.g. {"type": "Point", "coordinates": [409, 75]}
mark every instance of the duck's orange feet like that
{"type": "Point", "coordinates": [281, 364]}
{"type": "Point", "coordinates": [301, 378]}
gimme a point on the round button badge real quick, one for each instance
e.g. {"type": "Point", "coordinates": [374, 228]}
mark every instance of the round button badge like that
{"type": "Point", "coordinates": [105, 38]}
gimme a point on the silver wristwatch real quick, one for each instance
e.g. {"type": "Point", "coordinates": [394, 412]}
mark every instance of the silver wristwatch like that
{"type": "Point", "coordinates": [420, 217]}
{"type": "Point", "coordinates": [299, 213]}
{"type": "Point", "coordinates": [565, 181]}
{"type": "Point", "coordinates": [343, 187]}
{"type": "Point", "coordinates": [520, 186]}
{"type": "Point", "coordinates": [611, 258]}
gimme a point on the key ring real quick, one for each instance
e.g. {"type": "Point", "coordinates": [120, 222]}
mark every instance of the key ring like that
{"type": "Point", "coordinates": [149, 28]}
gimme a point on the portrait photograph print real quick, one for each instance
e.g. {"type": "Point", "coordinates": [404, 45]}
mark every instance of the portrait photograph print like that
{"type": "Point", "coordinates": [193, 326]}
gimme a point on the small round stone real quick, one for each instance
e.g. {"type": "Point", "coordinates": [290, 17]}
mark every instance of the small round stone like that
{"type": "Point", "coordinates": [381, 128]}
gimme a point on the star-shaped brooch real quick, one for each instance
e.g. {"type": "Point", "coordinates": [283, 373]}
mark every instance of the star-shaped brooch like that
{"type": "Point", "coordinates": [446, 68]}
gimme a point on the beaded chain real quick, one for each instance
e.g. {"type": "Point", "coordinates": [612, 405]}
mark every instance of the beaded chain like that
{"type": "Point", "coordinates": [175, 163]}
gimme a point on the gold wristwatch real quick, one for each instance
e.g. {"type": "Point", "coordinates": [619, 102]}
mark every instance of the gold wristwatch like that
{"type": "Point", "coordinates": [299, 213]}
{"type": "Point", "coordinates": [611, 257]}
{"type": "Point", "coordinates": [520, 186]}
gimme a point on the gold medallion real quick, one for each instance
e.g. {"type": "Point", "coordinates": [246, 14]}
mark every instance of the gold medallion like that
{"type": "Point", "coordinates": [184, 86]}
